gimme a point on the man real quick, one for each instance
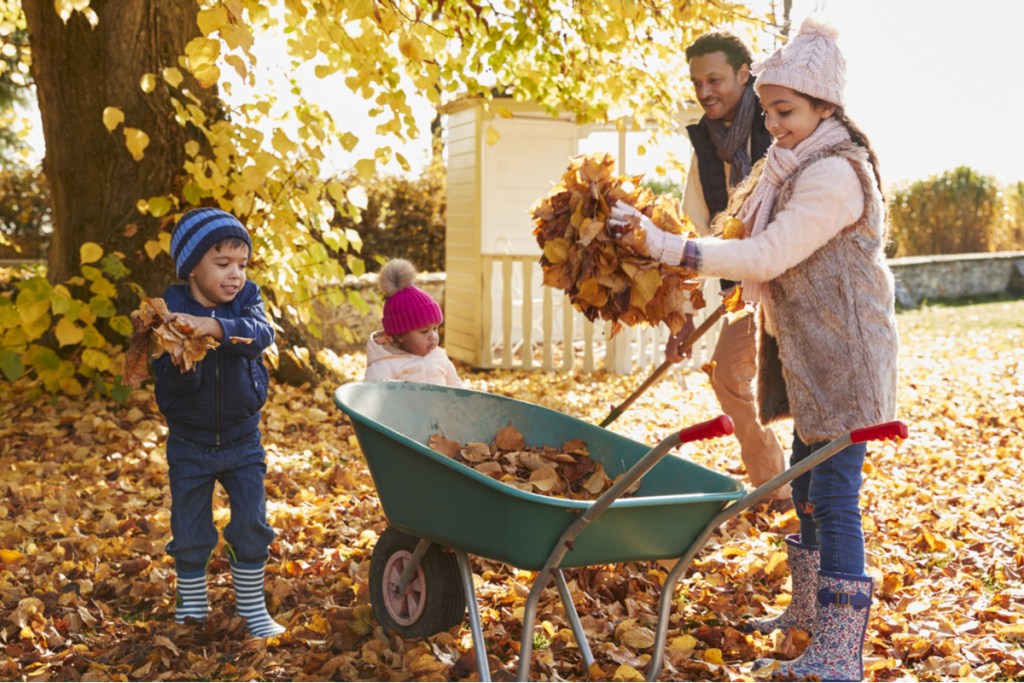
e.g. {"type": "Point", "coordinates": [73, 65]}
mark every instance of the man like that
{"type": "Point", "coordinates": [726, 141]}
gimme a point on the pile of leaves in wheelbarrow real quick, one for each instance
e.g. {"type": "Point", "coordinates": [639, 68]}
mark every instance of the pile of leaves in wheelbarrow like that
{"type": "Point", "coordinates": [603, 276]}
{"type": "Point", "coordinates": [565, 472]}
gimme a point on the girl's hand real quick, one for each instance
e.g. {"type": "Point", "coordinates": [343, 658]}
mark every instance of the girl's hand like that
{"type": "Point", "coordinates": [637, 232]}
{"type": "Point", "coordinates": [624, 220]}
{"type": "Point", "coordinates": [202, 325]}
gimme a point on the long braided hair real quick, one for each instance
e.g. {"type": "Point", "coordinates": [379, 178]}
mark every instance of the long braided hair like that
{"type": "Point", "coordinates": [860, 138]}
{"type": "Point", "coordinates": [856, 135]}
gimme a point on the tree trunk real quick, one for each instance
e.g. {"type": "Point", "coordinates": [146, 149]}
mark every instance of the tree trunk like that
{"type": "Point", "coordinates": [95, 183]}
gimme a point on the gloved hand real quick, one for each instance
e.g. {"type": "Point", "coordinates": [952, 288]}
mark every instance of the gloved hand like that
{"type": "Point", "coordinates": [661, 246]}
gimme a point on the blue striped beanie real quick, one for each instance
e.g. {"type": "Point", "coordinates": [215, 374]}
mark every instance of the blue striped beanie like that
{"type": "Point", "coordinates": [197, 231]}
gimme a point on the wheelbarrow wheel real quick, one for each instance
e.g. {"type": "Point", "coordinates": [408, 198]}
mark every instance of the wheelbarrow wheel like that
{"type": "Point", "coordinates": [432, 602]}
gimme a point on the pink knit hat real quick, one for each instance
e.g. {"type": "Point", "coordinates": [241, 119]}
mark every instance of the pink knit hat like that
{"type": "Point", "coordinates": [406, 307]}
{"type": "Point", "coordinates": [810, 64]}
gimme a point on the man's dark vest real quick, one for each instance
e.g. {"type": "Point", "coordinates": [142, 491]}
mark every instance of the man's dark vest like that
{"type": "Point", "coordinates": [712, 169]}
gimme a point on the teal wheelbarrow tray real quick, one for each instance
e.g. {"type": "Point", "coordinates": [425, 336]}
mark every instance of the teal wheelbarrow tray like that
{"type": "Point", "coordinates": [439, 510]}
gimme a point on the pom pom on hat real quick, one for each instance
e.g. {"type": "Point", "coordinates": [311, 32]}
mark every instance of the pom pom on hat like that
{"type": "Point", "coordinates": [810, 64]}
{"type": "Point", "coordinates": [406, 307]}
{"type": "Point", "coordinates": [198, 230]}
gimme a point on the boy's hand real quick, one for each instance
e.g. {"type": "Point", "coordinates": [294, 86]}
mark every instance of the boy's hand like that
{"type": "Point", "coordinates": [202, 325]}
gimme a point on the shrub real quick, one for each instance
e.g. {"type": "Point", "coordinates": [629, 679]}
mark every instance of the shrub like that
{"type": "Point", "coordinates": [1010, 232]}
{"type": "Point", "coordinates": [662, 185]}
{"type": "Point", "coordinates": [955, 212]}
{"type": "Point", "coordinates": [404, 217]}
{"type": "Point", "coordinates": [24, 213]}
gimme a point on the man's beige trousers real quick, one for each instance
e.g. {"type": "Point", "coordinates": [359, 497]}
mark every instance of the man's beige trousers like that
{"type": "Point", "coordinates": [735, 368]}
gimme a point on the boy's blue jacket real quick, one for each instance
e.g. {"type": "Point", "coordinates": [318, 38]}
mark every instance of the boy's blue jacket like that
{"type": "Point", "coordinates": [219, 400]}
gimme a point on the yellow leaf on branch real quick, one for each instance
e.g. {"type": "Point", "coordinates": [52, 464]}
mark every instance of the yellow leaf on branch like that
{"type": "Point", "coordinates": [282, 143]}
{"type": "Point", "coordinates": [90, 252]}
{"type": "Point", "coordinates": [210, 20]}
{"type": "Point", "coordinates": [411, 47]}
{"type": "Point", "coordinates": [67, 332]}
{"type": "Point", "coordinates": [172, 76]}
{"type": "Point", "coordinates": [137, 141]}
{"type": "Point", "coordinates": [201, 58]}
{"type": "Point", "coordinates": [147, 83]}
{"type": "Point", "coordinates": [112, 118]}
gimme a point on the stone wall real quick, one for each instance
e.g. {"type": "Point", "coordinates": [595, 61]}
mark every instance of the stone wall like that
{"type": "Point", "coordinates": [960, 276]}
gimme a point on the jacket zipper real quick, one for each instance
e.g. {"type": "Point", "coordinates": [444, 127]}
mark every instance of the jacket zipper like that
{"type": "Point", "coordinates": [216, 391]}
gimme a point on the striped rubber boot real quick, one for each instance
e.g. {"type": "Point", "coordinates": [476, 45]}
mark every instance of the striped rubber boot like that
{"type": "Point", "coordinates": [836, 651]}
{"type": "Point", "coordinates": [803, 566]}
{"type": "Point", "coordinates": [252, 604]}
{"type": "Point", "coordinates": [191, 601]}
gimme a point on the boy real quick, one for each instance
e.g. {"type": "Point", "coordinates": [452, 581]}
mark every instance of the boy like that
{"type": "Point", "coordinates": [213, 417]}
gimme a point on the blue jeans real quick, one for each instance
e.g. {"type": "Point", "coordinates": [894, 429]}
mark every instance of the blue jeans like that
{"type": "Point", "coordinates": [193, 469]}
{"type": "Point", "coordinates": [827, 501]}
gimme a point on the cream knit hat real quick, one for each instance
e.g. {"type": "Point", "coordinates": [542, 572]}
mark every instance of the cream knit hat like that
{"type": "Point", "coordinates": [810, 64]}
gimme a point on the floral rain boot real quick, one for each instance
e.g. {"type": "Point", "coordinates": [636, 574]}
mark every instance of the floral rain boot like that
{"type": "Point", "coordinates": [803, 565]}
{"type": "Point", "coordinates": [836, 651]}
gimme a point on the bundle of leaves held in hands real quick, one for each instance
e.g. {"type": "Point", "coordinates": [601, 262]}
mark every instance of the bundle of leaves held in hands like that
{"type": "Point", "coordinates": [603, 276]}
{"type": "Point", "coordinates": [157, 331]}
{"type": "Point", "coordinates": [566, 472]}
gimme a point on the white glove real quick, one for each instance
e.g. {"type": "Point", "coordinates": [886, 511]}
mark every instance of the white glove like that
{"type": "Point", "coordinates": [663, 246]}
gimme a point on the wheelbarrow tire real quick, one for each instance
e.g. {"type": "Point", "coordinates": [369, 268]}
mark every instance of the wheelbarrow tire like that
{"type": "Point", "coordinates": [434, 600]}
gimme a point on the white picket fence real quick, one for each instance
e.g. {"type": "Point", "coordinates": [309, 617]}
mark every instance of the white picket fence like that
{"type": "Point", "coordinates": [543, 330]}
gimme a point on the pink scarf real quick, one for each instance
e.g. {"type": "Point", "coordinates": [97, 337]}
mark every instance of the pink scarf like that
{"type": "Point", "coordinates": [780, 165]}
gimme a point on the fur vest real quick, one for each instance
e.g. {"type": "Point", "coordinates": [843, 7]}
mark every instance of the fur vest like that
{"type": "Point", "coordinates": [830, 359]}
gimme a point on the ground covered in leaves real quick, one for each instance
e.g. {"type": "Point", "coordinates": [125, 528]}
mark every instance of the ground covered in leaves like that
{"type": "Point", "coordinates": [86, 591]}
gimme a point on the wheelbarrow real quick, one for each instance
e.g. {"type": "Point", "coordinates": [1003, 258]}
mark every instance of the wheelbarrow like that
{"type": "Point", "coordinates": [440, 511]}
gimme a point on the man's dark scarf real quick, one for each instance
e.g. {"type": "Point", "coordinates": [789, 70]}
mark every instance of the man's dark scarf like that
{"type": "Point", "coordinates": [731, 141]}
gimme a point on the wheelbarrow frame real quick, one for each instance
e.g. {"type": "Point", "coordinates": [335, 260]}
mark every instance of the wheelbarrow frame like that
{"type": "Point", "coordinates": [887, 430]}
{"type": "Point", "coordinates": [551, 567]}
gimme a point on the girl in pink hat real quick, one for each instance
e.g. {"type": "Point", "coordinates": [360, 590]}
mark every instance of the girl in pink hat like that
{"type": "Point", "coordinates": [813, 256]}
{"type": "Point", "coordinates": [407, 348]}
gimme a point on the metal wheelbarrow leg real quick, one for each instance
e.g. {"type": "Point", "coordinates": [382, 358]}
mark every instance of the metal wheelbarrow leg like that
{"type": "Point", "coordinates": [720, 426]}
{"type": "Point", "coordinates": [886, 430]}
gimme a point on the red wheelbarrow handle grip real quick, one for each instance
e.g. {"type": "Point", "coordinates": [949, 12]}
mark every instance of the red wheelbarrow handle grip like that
{"type": "Point", "coordinates": [712, 429]}
{"type": "Point", "coordinates": [885, 430]}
